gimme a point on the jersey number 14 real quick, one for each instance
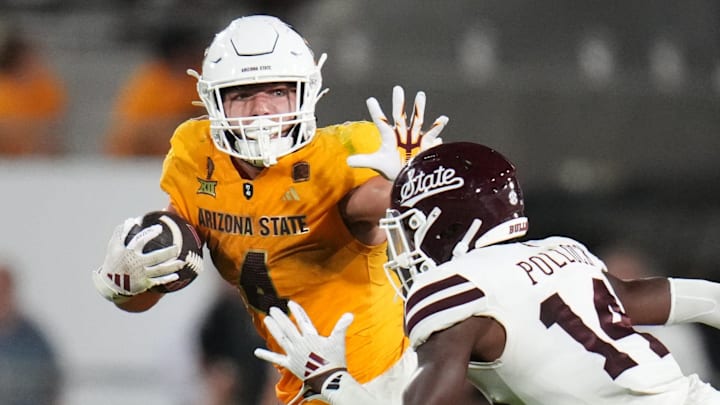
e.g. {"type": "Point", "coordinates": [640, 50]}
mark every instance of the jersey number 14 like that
{"type": "Point", "coordinates": [555, 311]}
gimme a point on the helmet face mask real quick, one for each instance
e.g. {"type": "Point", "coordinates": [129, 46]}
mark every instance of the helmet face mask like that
{"type": "Point", "coordinates": [259, 50]}
{"type": "Point", "coordinates": [405, 231]}
{"type": "Point", "coordinates": [448, 200]}
{"type": "Point", "coordinates": [267, 136]}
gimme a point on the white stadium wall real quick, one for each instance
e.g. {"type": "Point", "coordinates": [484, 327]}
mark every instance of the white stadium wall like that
{"type": "Point", "coordinates": [57, 216]}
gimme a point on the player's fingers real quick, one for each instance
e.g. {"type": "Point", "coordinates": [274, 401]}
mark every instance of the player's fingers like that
{"type": "Point", "coordinates": [378, 117]}
{"type": "Point", "coordinates": [164, 268]}
{"type": "Point", "coordinates": [376, 113]}
{"type": "Point", "coordinates": [128, 224]}
{"type": "Point", "coordinates": [387, 167]}
{"type": "Point", "coordinates": [434, 131]}
{"type": "Point", "coordinates": [380, 120]}
{"type": "Point", "coordinates": [418, 116]}
{"type": "Point", "coordinates": [289, 329]}
{"type": "Point", "coordinates": [342, 324]}
{"type": "Point", "coordinates": [276, 331]}
{"type": "Point", "coordinates": [398, 104]}
{"type": "Point", "coordinates": [271, 357]}
{"type": "Point", "coordinates": [141, 238]}
{"type": "Point", "coordinates": [367, 160]}
{"type": "Point", "coordinates": [302, 318]}
{"type": "Point", "coordinates": [399, 115]}
{"type": "Point", "coordinates": [165, 279]}
{"type": "Point", "coordinates": [430, 143]}
{"type": "Point", "coordinates": [441, 121]}
{"type": "Point", "coordinates": [160, 255]}
{"type": "Point", "coordinates": [357, 161]}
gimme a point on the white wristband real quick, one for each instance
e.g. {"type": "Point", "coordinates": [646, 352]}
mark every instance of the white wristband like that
{"type": "Point", "coordinates": [340, 388]}
{"type": "Point", "coordinates": [694, 301]}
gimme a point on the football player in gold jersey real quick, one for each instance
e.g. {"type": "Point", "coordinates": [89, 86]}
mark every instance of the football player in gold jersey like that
{"type": "Point", "coordinates": [286, 210]}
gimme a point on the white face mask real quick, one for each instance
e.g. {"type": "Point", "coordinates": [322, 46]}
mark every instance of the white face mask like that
{"type": "Point", "coordinates": [262, 128]}
{"type": "Point", "coordinates": [263, 138]}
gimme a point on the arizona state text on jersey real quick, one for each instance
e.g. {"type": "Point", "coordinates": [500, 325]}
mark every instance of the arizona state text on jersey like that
{"type": "Point", "coordinates": [281, 236]}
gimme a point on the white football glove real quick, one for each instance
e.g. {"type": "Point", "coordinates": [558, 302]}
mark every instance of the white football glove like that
{"type": "Point", "coordinates": [307, 354]}
{"type": "Point", "coordinates": [399, 143]}
{"type": "Point", "coordinates": [127, 271]}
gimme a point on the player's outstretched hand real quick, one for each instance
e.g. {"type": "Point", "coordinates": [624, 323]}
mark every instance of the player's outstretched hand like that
{"type": "Point", "coordinates": [127, 270]}
{"type": "Point", "coordinates": [399, 142]}
{"type": "Point", "coordinates": [307, 354]}
{"type": "Point", "coordinates": [413, 140]}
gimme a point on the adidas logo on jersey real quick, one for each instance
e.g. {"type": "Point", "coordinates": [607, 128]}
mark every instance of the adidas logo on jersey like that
{"type": "Point", "coordinates": [291, 195]}
{"type": "Point", "coordinates": [422, 185]}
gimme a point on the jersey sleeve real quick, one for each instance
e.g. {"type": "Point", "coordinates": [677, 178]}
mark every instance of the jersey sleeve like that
{"type": "Point", "coordinates": [439, 300]}
{"type": "Point", "coordinates": [359, 137]}
{"type": "Point", "coordinates": [181, 161]}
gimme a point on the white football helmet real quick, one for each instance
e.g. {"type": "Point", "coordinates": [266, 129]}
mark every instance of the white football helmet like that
{"type": "Point", "coordinates": [252, 50]}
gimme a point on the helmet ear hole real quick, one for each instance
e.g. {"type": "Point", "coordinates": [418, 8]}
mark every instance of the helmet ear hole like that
{"type": "Point", "coordinates": [450, 233]}
{"type": "Point", "coordinates": [444, 241]}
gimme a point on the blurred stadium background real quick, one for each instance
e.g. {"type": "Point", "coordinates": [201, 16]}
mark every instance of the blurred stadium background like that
{"type": "Point", "coordinates": [610, 109]}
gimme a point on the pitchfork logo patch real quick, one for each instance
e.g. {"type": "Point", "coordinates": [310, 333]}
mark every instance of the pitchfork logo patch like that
{"type": "Point", "coordinates": [301, 172]}
{"type": "Point", "coordinates": [421, 185]}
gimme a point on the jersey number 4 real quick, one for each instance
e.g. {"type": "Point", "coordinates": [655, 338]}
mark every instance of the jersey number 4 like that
{"type": "Point", "coordinates": [255, 280]}
{"type": "Point", "coordinates": [555, 311]}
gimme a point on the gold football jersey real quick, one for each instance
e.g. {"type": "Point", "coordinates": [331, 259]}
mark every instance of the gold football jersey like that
{"type": "Point", "coordinates": [280, 236]}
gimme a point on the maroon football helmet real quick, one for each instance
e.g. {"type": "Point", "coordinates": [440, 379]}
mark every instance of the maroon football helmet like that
{"type": "Point", "coordinates": [448, 200]}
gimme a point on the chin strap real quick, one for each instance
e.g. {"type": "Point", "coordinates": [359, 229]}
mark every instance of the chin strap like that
{"type": "Point", "coordinates": [694, 301]}
{"type": "Point", "coordinates": [463, 246]}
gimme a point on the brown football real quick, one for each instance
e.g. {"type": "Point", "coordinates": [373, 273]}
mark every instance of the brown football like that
{"type": "Point", "coordinates": [175, 230]}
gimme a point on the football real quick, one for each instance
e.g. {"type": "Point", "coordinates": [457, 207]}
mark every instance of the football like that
{"type": "Point", "coordinates": [175, 230]}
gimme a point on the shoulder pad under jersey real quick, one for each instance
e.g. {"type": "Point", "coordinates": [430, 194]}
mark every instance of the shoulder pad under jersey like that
{"type": "Point", "coordinates": [439, 300]}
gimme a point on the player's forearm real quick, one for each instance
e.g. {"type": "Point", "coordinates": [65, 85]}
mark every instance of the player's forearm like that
{"type": "Point", "coordinates": [432, 385]}
{"type": "Point", "coordinates": [368, 202]}
{"type": "Point", "coordinates": [646, 301]}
